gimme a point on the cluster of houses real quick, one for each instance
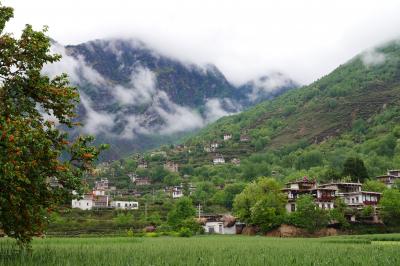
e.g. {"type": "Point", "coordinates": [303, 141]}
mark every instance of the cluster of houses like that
{"type": "Point", "coordinates": [326, 194]}
{"type": "Point", "coordinates": [100, 198]}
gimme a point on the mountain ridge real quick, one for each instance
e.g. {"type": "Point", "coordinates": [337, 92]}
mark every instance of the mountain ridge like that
{"type": "Point", "coordinates": [136, 98]}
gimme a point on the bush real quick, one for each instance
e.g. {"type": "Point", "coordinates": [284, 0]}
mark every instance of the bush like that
{"type": "Point", "coordinates": [185, 232]}
{"type": "Point", "coordinates": [129, 232]}
{"type": "Point", "coordinates": [152, 234]}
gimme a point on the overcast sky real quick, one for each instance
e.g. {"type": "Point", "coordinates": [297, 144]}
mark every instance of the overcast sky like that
{"type": "Point", "coordinates": [303, 39]}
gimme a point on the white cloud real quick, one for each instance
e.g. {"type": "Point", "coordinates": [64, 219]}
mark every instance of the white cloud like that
{"type": "Point", "coordinates": [177, 118]}
{"type": "Point", "coordinates": [244, 38]}
{"type": "Point", "coordinates": [76, 69]}
{"type": "Point", "coordinates": [269, 83]}
{"type": "Point", "coordinates": [214, 110]}
{"type": "Point", "coordinates": [96, 122]}
{"type": "Point", "coordinates": [142, 88]}
{"type": "Point", "coordinates": [372, 57]}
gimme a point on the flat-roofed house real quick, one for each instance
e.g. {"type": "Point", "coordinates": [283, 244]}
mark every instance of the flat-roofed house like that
{"type": "Point", "coordinates": [390, 178]}
{"type": "Point", "coordinates": [125, 205]}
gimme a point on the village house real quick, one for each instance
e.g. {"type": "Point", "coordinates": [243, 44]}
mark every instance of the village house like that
{"type": "Point", "coordinates": [244, 138]}
{"type": "Point", "coordinates": [324, 197]}
{"type": "Point", "coordinates": [142, 181]}
{"type": "Point", "coordinates": [353, 195]}
{"type": "Point", "coordinates": [218, 224]}
{"type": "Point", "coordinates": [235, 161]}
{"type": "Point", "coordinates": [86, 203]}
{"type": "Point", "coordinates": [101, 184]}
{"type": "Point", "coordinates": [390, 178]}
{"type": "Point", "coordinates": [142, 164]}
{"type": "Point", "coordinates": [90, 201]}
{"type": "Point", "coordinates": [178, 191]}
{"type": "Point", "coordinates": [218, 159]}
{"type": "Point", "coordinates": [227, 136]}
{"type": "Point", "coordinates": [125, 205]}
{"type": "Point", "coordinates": [171, 166]}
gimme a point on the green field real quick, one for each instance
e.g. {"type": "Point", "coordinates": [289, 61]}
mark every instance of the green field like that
{"type": "Point", "coordinates": [207, 250]}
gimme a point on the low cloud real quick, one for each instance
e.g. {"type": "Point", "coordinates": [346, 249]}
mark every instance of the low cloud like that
{"type": "Point", "coordinates": [142, 88]}
{"type": "Point", "coordinates": [268, 84]}
{"type": "Point", "coordinates": [160, 114]}
{"type": "Point", "coordinates": [76, 68]}
{"type": "Point", "coordinates": [94, 121]}
{"type": "Point", "coordinates": [372, 58]}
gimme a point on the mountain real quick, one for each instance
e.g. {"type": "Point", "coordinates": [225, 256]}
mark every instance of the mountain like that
{"type": "Point", "coordinates": [136, 98]}
{"type": "Point", "coordinates": [352, 112]}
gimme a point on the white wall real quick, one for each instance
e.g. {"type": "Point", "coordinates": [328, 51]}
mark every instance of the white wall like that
{"type": "Point", "coordinates": [219, 228]}
{"type": "Point", "coordinates": [83, 204]}
{"type": "Point", "coordinates": [125, 205]}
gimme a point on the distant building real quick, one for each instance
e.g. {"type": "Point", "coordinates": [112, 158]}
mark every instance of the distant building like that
{"type": "Point", "coordinates": [171, 166]}
{"type": "Point", "coordinates": [101, 184]}
{"type": "Point", "coordinates": [142, 181]}
{"type": "Point", "coordinates": [125, 205]}
{"type": "Point", "coordinates": [227, 136]}
{"type": "Point", "coordinates": [235, 161]}
{"type": "Point", "coordinates": [90, 201]}
{"type": "Point", "coordinates": [218, 224]}
{"type": "Point", "coordinates": [142, 164]}
{"type": "Point", "coordinates": [177, 192]}
{"type": "Point", "coordinates": [353, 195]}
{"type": "Point", "coordinates": [323, 197]}
{"type": "Point", "coordinates": [219, 159]}
{"type": "Point", "coordinates": [244, 138]}
{"type": "Point", "coordinates": [390, 178]}
{"type": "Point", "coordinates": [86, 203]}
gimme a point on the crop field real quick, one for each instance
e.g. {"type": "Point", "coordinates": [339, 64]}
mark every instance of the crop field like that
{"type": "Point", "coordinates": [207, 250]}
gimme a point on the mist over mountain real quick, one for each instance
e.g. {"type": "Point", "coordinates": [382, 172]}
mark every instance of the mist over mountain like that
{"type": "Point", "coordinates": [136, 98]}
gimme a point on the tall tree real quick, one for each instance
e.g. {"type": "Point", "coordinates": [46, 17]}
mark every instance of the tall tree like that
{"type": "Point", "coordinates": [33, 177]}
{"type": "Point", "coordinates": [308, 215]}
{"type": "Point", "coordinates": [261, 203]}
{"type": "Point", "coordinates": [355, 168]}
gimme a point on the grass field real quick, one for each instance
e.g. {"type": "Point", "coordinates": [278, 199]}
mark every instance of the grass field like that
{"type": "Point", "coordinates": [207, 250]}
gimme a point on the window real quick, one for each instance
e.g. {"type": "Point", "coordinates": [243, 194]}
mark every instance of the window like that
{"type": "Point", "coordinates": [119, 204]}
{"type": "Point", "coordinates": [293, 207]}
{"type": "Point", "coordinates": [356, 199]}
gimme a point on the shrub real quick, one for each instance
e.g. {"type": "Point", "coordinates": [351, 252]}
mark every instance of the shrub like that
{"type": "Point", "coordinates": [185, 232]}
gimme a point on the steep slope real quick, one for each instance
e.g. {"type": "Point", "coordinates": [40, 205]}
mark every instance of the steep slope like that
{"type": "Point", "coordinates": [326, 108]}
{"type": "Point", "coordinates": [136, 98]}
{"type": "Point", "coordinates": [353, 111]}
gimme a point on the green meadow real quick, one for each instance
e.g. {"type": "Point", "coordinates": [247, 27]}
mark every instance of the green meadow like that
{"type": "Point", "coordinates": [206, 250]}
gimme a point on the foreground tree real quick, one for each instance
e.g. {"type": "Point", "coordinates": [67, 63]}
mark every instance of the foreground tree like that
{"type": "Point", "coordinates": [390, 206]}
{"type": "Point", "coordinates": [261, 203]}
{"type": "Point", "coordinates": [308, 215]}
{"type": "Point", "coordinates": [31, 146]}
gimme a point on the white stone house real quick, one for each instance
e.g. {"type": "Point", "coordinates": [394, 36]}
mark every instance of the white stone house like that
{"type": "Point", "coordinates": [219, 228]}
{"type": "Point", "coordinates": [177, 192]}
{"type": "Point", "coordinates": [219, 224]}
{"type": "Point", "coordinates": [227, 136]}
{"type": "Point", "coordinates": [218, 159]}
{"type": "Point", "coordinates": [125, 205]}
{"type": "Point", "coordinates": [86, 203]}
